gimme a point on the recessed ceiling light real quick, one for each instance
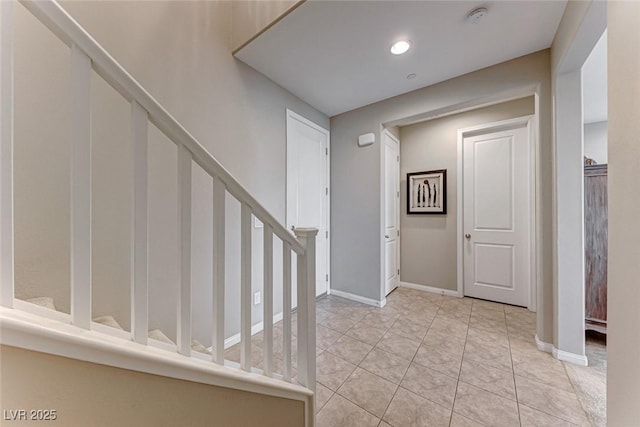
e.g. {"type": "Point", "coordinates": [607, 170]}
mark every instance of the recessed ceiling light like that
{"type": "Point", "coordinates": [411, 76]}
{"type": "Point", "coordinates": [400, 47]}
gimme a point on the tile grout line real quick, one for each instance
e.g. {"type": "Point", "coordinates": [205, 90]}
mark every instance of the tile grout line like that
{"type": "Point", "coordinates": [398, 387]}
{"type": "Point", "coordinates": [550, 415]}
{"type": "Point", "coordinates": [513, 370]}
{"type": "Point", "coordinates": [357, 365]}
{"type": "Point", "coordinates": [401, 315]}
{"type": "Point", "coordinates": [464, 348]}
{"type": "Point", "coordinates": [573, 387]}
{"type": "Point", "coordinates": [545, 412]}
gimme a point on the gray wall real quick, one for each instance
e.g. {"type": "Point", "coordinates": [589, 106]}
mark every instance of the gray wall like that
{"type": "Point", "coordinates": [428, 242]}
{"type": "Point", "coordinates": [355, 203]}
{"type": "Point", "coordinates": [180, 52]}
{"type": "Point", "coordinates": [595, 141]}
{"type": "Point", "coordinates": [623, 339]}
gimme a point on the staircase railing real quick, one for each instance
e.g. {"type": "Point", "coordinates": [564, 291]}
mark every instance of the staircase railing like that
{"type": "Point", "coordinates": [88, 55]}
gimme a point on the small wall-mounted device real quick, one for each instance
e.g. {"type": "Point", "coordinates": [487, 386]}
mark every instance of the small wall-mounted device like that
{"type": "Point", "coordinates": [366, 139]}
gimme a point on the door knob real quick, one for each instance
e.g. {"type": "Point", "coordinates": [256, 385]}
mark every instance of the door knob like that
{"type": "Point", "coordinates": [293, 227]}
{"type": "Point", "coordinates": [386, 236]}
{"type": "Point", "coordinates": [468, 236]}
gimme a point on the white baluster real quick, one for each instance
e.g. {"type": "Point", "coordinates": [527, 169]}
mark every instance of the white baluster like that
{"type": "Point", "coordinates": [6, 154]}
{"type": "Point", "coordinates": [286, 308]}
{"type": "Point", "coordinates": [219, 194]}
{"type": "Point", "coordinates": [268, 300]}
{"type": "Point", "coordinates": [140, 269]}
{"type": "Point", "coordinates": [307, 308]}
{"type": "Point", "coordinates": [80, 188]}
{"type": "Point", "coordinates": [245, 288]}
{"type": "Point", "coordinates": [184, 241]}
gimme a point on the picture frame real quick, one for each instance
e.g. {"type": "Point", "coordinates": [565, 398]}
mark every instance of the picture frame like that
{"type": "Point", "coordinates": [427, 192]}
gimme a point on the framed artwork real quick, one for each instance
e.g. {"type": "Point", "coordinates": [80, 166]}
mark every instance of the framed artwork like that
{"type": "Point", "coordinates": [427, 192]}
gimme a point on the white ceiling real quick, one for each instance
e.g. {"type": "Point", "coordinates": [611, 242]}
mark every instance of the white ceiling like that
{"type": "Point", "coordinates": [335, 54]}
{"type": "Point", "coordinates": [594, 83]}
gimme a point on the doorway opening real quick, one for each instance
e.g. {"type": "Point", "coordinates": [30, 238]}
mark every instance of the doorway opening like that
{"type": "Point", "coordinates": [430, 239]}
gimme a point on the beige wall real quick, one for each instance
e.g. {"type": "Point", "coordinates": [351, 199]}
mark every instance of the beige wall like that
{"type": "Point", "coordinates": [251, 17]}
{"type": "Point", "coordinates": [355, 203]}
{"type": "Point", "coordinates": [623, 340]}
{"type": "Point", "coordinates": [87, 394]}
{"type": "Point", "coordinates": [428, 243]}
{"type": "Point", "coordinates": [181, 53]}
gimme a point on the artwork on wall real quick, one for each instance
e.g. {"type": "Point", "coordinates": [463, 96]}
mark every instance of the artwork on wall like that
{"type": "Point", "coordinates": [427, 192]}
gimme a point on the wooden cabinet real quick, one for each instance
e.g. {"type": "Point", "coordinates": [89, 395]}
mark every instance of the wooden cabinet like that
{"type": "Point", "coordinates": [595, 213]}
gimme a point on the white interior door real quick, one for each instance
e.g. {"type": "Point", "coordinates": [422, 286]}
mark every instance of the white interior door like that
{"type": "Point", "coordinates": [497, 215]}
{"type": "Point", "coordinates": [308, 187]}
{"type": "Point", "coordinates": [391, 212]}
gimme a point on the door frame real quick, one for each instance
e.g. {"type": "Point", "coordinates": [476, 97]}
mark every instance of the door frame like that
{"type": "Point", "coordinates": [295, 116]}
{"type": "Point", "coordinates": [530, 122]}
{"type": "Point", "coordinates": [383, 216]}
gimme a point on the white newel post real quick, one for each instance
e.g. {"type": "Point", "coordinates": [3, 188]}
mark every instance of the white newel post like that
{"type": "Point", "coordinates": [307, 308]}
{"type": "Point", "coordinates": [6, 154]}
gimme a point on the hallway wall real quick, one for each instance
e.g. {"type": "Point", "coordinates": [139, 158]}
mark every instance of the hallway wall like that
{"type": "Point", "coordinates": [355, 204]}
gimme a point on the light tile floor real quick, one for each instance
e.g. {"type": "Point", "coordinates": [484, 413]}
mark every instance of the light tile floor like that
{"type": "Point", "coordinates": [426, 359]}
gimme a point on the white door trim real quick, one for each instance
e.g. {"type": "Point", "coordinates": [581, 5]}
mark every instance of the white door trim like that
{"type": "Point", "coordinates": [293, 115]}
{"type": "Point", "coordinates": [530, 123]}
{"type": "Point", "coordinates": [383, 283]}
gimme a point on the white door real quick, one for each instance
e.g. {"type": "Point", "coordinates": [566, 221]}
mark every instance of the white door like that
{"type": "Point", "coordinates": [497, 198]}
{"type": "Point", "coordinates": [391, 212]}
{"type": "Point", "coordinates": [308, 187]}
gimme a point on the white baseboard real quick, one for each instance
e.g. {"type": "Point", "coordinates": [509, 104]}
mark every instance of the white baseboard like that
{"type": "Point", "coordinates": [544, 346]}
{"type": "Point", "coordinates": [255, 329]}
{"type": "Point", "coordinates": [431, 289]}
{"type": "Point", "coordinates": [358, 298]}
{"type": "Point", "coordinates": [561, 354]}
{"type": "Point", "coordinates": [570, 357]}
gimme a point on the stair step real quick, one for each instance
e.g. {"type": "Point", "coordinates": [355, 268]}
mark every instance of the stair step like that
{"type": "Point", "coordinates": [155, 334]}
{"type": "Point", "coordinates": [46, 302]}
